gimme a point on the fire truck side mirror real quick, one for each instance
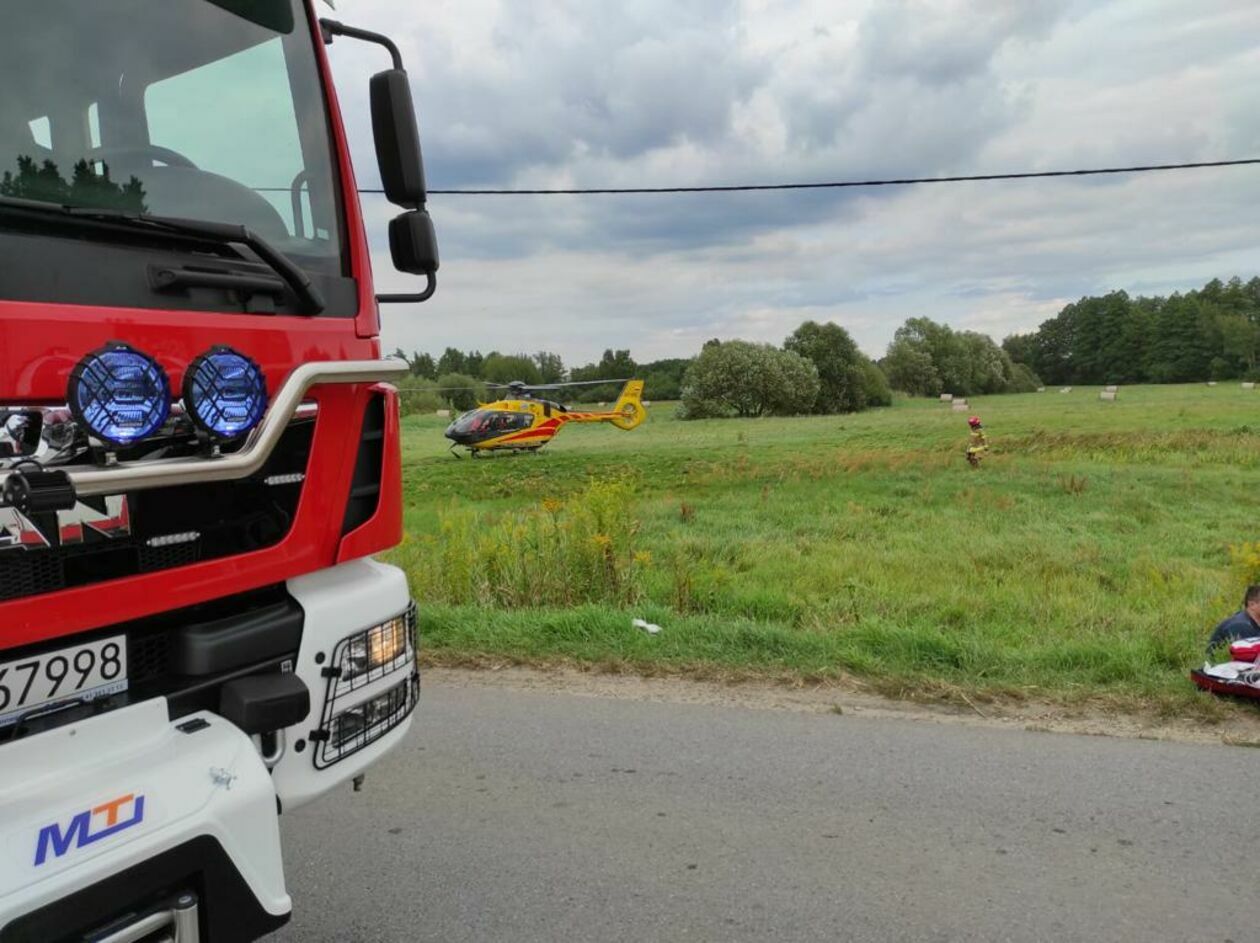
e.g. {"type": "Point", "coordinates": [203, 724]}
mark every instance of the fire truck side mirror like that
{"type": "Point", "coordinates": [397, 140]}
{"type": "Point", "coordinates": [413, 244]}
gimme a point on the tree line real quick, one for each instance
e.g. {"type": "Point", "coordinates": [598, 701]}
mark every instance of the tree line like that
{"type": "Point", "coordinates": [1212, 333]}
{"type": "Point", "coordinates": [43, 181]}
{"type": "Point", "coordinates": [1208, 333]}
{"type": "Point", "coordinates": [818, 369]}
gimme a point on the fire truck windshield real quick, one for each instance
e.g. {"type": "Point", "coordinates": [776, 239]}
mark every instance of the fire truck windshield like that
{"type": "Point", "coordinates": [199, 109]}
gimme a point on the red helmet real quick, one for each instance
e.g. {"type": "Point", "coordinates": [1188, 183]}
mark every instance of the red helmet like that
{"type": "Point", "coordinates": [974, 422]}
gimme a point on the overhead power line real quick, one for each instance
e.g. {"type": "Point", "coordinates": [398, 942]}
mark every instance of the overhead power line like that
{"type": "Point", "coordinates": [840, 184]}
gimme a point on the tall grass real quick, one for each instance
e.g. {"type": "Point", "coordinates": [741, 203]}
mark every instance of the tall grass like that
{"type": "Point", "coordinates": [1246, 560]}
{"type": "Point", "coordinates": [555, 553]}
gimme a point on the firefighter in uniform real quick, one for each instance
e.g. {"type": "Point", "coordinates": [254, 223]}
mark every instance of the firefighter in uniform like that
{"type": "Point", "coordinates": [977, 444]}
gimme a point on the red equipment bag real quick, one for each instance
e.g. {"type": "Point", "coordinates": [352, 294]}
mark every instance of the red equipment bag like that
{"type": "Point", "coordinates": [1245, 649]}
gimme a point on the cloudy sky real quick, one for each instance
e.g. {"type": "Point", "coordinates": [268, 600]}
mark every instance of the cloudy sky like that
{"type": "Point", "coordinates": [567, 93]}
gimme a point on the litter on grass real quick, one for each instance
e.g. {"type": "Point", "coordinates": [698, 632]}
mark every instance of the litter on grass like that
{"type": "Point", "coordinates": [650, 628]}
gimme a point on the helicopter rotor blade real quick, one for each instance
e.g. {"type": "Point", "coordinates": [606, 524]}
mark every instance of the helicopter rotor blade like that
{"type": "Point", "coordinates": [553, 386]}
{"type": "Point", "coordinates": [592, 382]}
{"type": "Point", "coordinates": [515, 385]}
{"type": "Point", "coordinates": [438, 389]}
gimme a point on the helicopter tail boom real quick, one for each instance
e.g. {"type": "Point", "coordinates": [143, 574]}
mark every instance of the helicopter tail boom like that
{"type": "Point", "coordinates": [626, 413]}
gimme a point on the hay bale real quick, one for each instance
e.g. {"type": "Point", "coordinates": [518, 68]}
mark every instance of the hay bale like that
{"type": "Point", "coordinates": [1108, 395]}
{"type": "Point", "coordinates": [1249, 386]}
{"type": "Point", "coordinates": [1111, 389]}
{"type": "Point", "coordinates": [946, 397]}
{"type": "Point", "coordinates": [442, 412]}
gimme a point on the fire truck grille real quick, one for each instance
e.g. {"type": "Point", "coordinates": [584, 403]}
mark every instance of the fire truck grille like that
{"type": "Point", "coordinates": [171, 527]}
{"type": "Point", "coordinates": [148, 655]}
{"type": "Point", "coordinates": [29, 574]}
{"type": "Point", "coordinates": [164, 558]}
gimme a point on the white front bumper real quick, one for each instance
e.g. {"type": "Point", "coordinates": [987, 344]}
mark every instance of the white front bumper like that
{"type": "Point", "coordinates": [82, 802]}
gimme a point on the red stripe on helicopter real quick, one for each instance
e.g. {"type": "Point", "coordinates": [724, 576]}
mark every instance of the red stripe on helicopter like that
{"type": "Point", "coordinates": [528, 434]}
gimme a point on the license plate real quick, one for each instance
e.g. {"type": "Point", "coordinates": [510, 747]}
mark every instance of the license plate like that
{"type": "Point", "coordinates": [76, 673]}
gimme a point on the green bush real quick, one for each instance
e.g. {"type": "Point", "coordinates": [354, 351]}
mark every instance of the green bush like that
{"type": "Point", "coordinates": [926, 358]}
{"type": "Point", "coordinates": [875, 385]}
{"type": "Point", "coordinates": [847, 381]}
{"type": "Point", "coordinates": [460, 391]}
{"type": "Point", "coordinates": [736, 378]}
{"type": "Point", "coordinates": [1023, 380]}
{"type": "Point", "coordinates": [417, 396]}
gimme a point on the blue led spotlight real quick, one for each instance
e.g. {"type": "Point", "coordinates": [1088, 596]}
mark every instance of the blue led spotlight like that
{"type": "Point", "coordinates": [225, 393]}
{"type": "Point", "coordinates": [119, 394]}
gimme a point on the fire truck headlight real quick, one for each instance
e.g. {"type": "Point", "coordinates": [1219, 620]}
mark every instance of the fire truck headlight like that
{"type": "Point", "coordinates": [379, 647]}
{"type": "Point", "coordinates": [225, 393]}
{"type": "Point", "coordinates": [355, 727]}
{"type": "Point", "coordinates": [119, 394]}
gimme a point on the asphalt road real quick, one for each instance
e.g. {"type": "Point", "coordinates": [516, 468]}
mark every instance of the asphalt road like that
{"type": "Point", "coordinates": [527, 816]}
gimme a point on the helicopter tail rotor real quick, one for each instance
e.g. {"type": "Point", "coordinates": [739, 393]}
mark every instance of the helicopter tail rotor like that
{"type": "Point", "coordinates": [629, 406]}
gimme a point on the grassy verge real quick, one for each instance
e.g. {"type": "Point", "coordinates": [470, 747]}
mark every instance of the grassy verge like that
{"type": "Point", "coordinates": [1085, 562]}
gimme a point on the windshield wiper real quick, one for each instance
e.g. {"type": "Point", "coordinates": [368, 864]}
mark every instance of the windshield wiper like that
{"type": "Point", "coordinates": [222, 233]}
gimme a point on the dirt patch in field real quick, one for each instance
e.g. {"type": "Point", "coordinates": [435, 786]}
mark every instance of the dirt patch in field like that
{"type": "Point", "coordinates": [1239, 727]}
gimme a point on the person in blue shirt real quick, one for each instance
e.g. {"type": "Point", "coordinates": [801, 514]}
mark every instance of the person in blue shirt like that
{"type": "Point", "coordinates": [1245, 623]}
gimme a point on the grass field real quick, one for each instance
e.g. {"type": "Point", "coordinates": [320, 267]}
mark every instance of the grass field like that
{"type": "Point", "coordinates": [1086, 561]}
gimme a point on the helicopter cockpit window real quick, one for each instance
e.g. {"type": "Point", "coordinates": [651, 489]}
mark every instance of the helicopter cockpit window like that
{"type": "Point", "coordinates": [486, 423]}
{"type": "Point", "coordinates": [500, 422]}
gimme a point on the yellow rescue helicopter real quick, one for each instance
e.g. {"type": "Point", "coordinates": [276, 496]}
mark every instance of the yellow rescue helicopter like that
{"type": "Point", "coordinates": [524, 422]}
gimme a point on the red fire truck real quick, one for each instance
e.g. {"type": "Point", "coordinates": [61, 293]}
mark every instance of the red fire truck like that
{"type": "Point", "coordinates": [199, 455]}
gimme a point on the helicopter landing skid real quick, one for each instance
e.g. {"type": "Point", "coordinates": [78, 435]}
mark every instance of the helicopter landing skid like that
{"type": "Point", "coordinates": [502, 451]}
